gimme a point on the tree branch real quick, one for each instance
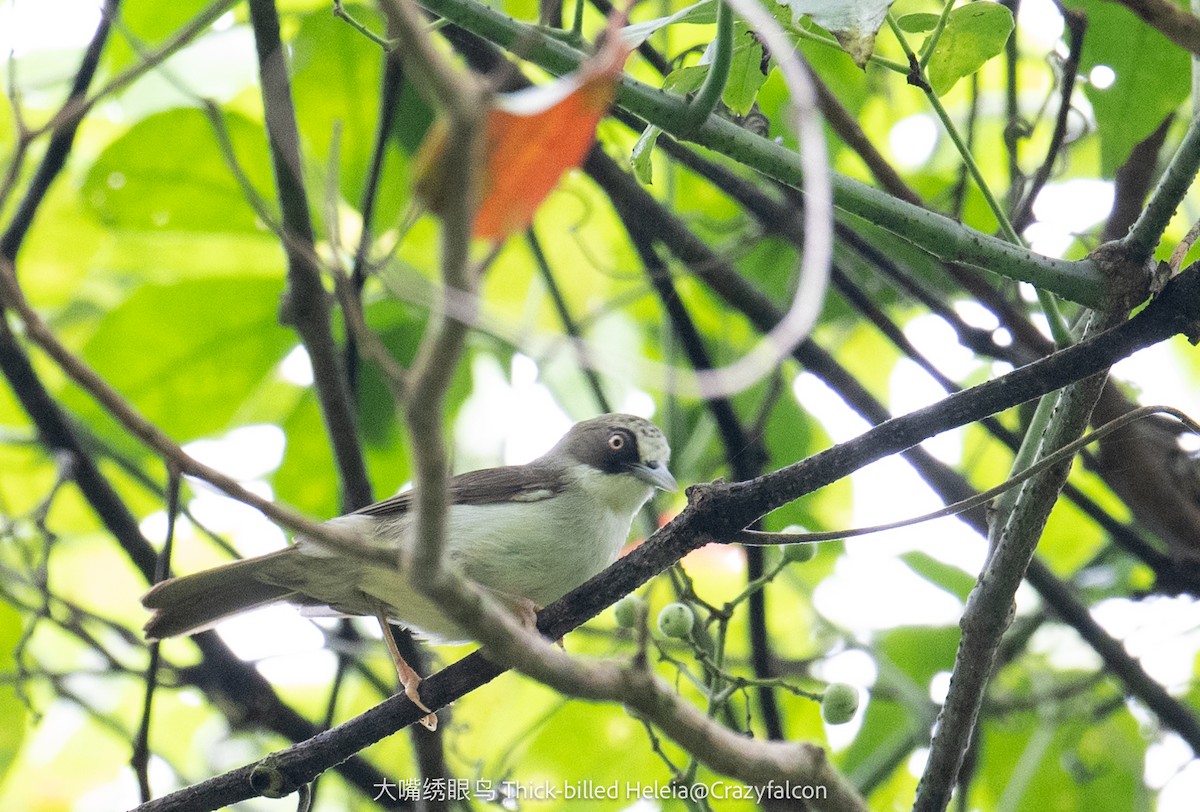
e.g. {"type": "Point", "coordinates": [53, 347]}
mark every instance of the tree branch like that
{"type": "Point", "coordinates": [1016, 528]}
{"type": "Point", "coordinates": [1081, 281]}
{"type": "Point", "coordinates": [306, 303]}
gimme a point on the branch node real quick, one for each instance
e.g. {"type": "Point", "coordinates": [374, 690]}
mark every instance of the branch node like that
{"type": "Point", "coordinates": [268, 780]}
{"type": "Point", "coordinates": [1129, 280]}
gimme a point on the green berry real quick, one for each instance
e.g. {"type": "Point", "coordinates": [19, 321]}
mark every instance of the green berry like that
{"type": "Point", "coordinates": [628, 610]}
{"type": "Point", "coordinates": [799, 553]}
{"type": "Point", "coordinates": [839, 704]}
{"type": "Point", "coordinates": [676, 620]}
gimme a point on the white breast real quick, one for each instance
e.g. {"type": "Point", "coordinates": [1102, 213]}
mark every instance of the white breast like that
{"type": "Point", "coordinates": [536, 550]}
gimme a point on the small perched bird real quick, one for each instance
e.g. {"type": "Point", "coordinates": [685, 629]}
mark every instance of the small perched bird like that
{"type": "Point", "coordinates": [527, 533]}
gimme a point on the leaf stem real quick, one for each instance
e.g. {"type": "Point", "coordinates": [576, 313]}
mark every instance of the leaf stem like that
{"type": "Point", "coordinates": [1058, 325]}
{"type": "Point", "coordinates": [339, 11]}
{"type": "Point", "coordinates": [701, 106]}
{"type": "Point", "coordinates": [934, 35]}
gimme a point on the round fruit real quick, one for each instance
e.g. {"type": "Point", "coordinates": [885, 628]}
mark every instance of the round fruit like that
{"type": "Point", "coordinates": [627, 611]}
{"type": "Point", "coordinates": [839, 703]}
{"type": "Point", "coordinates": [676, 620]}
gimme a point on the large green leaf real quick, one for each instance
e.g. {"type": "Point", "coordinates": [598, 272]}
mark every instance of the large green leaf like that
{"type": "Point", "coordinates": [974, 33]}
{"type": "Point", "coordinates": [1151, 78]}
{"type": "Point", "coordinates": [188, 355]}
{"type": "Point", "coordinates": [168, 173]}
{"type": "Point", "coordinates": [1062, 760]}
{"type": "Point", "coordinates": [336, 85]}
{"type": "Point", "coordinates": [747, 71]}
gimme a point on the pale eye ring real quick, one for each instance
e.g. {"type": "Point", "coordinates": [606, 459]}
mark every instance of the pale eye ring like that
{"type": "Point", "coordinates": [616, 442]}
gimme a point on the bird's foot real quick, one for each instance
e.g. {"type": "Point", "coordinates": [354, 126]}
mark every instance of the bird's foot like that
{"type": "Point", "coordinates": [410, 680]}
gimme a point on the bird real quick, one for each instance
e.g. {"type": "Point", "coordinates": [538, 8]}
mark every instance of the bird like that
{"type": "Point", "coordinates": [526, 533]}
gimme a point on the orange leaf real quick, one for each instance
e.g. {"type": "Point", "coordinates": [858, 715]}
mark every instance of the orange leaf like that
{"type": "Point", "coordinates": [533, 136]}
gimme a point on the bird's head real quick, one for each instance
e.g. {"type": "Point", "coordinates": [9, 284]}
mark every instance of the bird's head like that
{"type": "Point", "coordinates": [625, 455]}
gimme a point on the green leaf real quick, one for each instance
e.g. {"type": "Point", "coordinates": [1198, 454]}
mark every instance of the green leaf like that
{"type": "Point", "coordinates": [1067, 755]}
{"type": "Point", "coordinates": [940, 574]}
{"type": "Point", "coordinates": [305, 451]}
{"type": "Point", "coordinates": [149, 23]}
{"type": "Point", "coordinates": [921, 652]}
{"type": "Point", "coordinates": [1152, 77]}
{"type": "Point", "coordinates": [12, 709]}
{"type": "Point", "coordinates": [167, 173]}
{"type": "Point", "coordinates": [704, 12]}
{"type": "Point", "coordinates": [746, 73]}
{"type": "Point", "coordinates": [885, 727]}
{"type": "Point", "coordinates": [685, 80]}
{"type": "Point", "coordinates": [188, 355]}
{"type": "Point", "coordinates": [974, 33]}
{"type": "Point", "coordinates": [640, 157]}
{"type": "Point", "coordinates": [918, 22]}
{"type": "Point", "coordinates": [336, 86]}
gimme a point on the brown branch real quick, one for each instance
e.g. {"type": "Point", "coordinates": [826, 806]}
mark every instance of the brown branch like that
{"type": "Point", "coordinates": [1016, 527]}
{"type": "Point", "coordinates": [60, 143]}
{"type": "Point", "coordinates": [306, 304]}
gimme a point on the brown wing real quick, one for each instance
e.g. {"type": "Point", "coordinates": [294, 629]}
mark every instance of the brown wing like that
{"type": "Point", "coordinates": [510, 483]}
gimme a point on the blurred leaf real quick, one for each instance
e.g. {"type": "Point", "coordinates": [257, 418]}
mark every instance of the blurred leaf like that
{"type": "Point", "coordinates": [413, 118]}
{"type": "Point", "coordinates": [704, 12]}
{"type": "Point", "coordinates": [305, 478]}
{"type": "Point", "coordinates": [746, 73]}
{"type": "Point", "coordinates": [884, 733]}
{"type": "Point", "coordinates": [947, 576]}
{"type": "Point", "coordinates": [1079, 762]}
{"type": "Point", "coordinates": [336, 85]}
{"type": "Point", "coordinates": [921, 651]}
{"type": "Point", "coordinates": [167, 172]}
{"type": "Point", "coordinates": [642, 154]}
{"type": "Point", "coordinates": [12, 708]}
{"type": "Point", "coordinates": [151, 23]}
{"type": "Point", "coordinates": [1151, 78]}
{"type": "Point", "coordinates": [974, 33]}
{"type": "Point", "coordinates": [853, 22]}
{"type": "Point", "coordinates": [188, 355]}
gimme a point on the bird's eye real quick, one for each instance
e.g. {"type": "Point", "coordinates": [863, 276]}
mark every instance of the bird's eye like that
{"type": "Point", "coordinates": [616, 442]}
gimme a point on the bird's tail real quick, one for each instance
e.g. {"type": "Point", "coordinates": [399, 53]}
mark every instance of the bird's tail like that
{"type": "Point", "coordinates": [195, 602]}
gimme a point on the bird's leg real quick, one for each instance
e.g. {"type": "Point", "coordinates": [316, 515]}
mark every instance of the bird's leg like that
{"type": "Point", "coordinates": [410, 680]}
{"type": "Point", "coordinates": [526, 612]}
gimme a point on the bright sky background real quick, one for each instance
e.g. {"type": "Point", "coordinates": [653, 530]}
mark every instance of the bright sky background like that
{"type": "Point", "coordinates": [513, 411]}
